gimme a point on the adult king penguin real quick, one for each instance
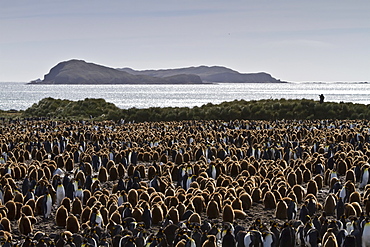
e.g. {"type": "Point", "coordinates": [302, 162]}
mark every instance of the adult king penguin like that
{"type": "Point", "coordinates": [253, 238]}
{"type": "Point", "coordinates": [364, 178]}
{"type": "Point", "coordinates": [47, 205]}
{"type": "Point", "coordinates": [349, 241]}
{"type": "Point", "coordinates": [366, 234]}
{"type": "Point", "coordinates": [60, 194]}
{"type": "Point", "coordinates": [228, 239]}
{"type": "Point", "coordinates": [287, 236]}
{"type": "Point", "coordinates": [269, 239]}
{"type": "Point", "coordinates": [147, 217]}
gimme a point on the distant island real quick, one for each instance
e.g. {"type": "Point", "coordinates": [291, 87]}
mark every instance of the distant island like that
{"type": "Point", "coordinates": [80, 72]}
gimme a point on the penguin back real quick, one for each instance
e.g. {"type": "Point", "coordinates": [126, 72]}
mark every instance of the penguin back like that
{"type": "Point", "coordinates": [72, 224]}
{"type": "Point", "coordinates": [281, 210]}
{"type": "Point", "coordinates": [228, 214]}
{"type": "Point", "coordinates": [61, 216]}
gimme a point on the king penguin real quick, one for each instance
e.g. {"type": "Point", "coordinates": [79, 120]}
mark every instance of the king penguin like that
{"type": "Point", "coordinates": [61, 216]}
{"type": "Point", "coordinates": [343, 194]}
{"type": "Point", "coordinates": [312, 237]}
{"type": "Point", "coordinates": [47, 205]}
{"type": "Point", "coordinates": [210, 242]}
{"type": "Point", "coordinates": [269, 239]}
{"type": "Point", "coordinates": [349, 241]}
{"type": "Point", "coordinates": [228, 238]}
{"type": "Point", "coordinates": [79, 193]}
{"type": "Point", "coordinates": [212, 171]}
{"type": "Point", "coordinates": [311, 206]}
{"type": "Point", "coordinates": [24, 225]}
{"type": "Point", "coordinates": [287, 236]}
{"type": "Point", "coordinates": [96, 217]}
{"type": "Point", "coordinates": [281, 210]}
{"type": "Point", "coordinates": [253, 238]}
{"type": "Point", "coordinates": [147, 217]}
{"type": "Point", "coordinates": [331, 242]}
{"type": "Point", "coordinates": [303, 213]}
{"type": "Point", "coordinates": [25, 185]}
{"type": "Point", "coordinates": [72, 224]}
{"type": "Point", "coordinates": [70, 189]}
{"type": "Point", "coordinates": [292, 210]}
{"type": "Point", "coordinates": [339, 208]}
{"type": "Point", "coordinates": [364, 178]}
{"type": "Point", "coordinates": [366, 234]}
{"type": "Point", "coordinates": [60, 194]}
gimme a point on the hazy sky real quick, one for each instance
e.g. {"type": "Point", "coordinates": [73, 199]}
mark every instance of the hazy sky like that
{"type": "Point", "coordinates": [293, 40]}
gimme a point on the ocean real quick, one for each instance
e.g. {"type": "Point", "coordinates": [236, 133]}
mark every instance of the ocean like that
{"type": "Point", "coordinates": [20, 96]}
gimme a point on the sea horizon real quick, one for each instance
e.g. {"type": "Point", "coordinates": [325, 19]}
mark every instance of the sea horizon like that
{"type": "Point", "coordinates": [20, 95]}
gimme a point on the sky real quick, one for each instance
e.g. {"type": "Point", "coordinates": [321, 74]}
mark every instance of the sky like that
{"type": "Point", "coordinates": [293, 40]}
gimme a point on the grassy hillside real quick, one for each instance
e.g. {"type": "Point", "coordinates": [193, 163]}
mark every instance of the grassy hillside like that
{"type": "Point", "coordinates": [99, 109]}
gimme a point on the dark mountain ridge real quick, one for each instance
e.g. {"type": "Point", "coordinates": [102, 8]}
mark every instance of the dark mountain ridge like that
{"type": "Point", "coordinates": [216, 74]}
{"type": "Point", "coordinates": [81, 72]}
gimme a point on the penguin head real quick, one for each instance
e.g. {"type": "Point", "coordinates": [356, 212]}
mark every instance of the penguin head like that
{"type": "Point", "coordinates": [60, 183]}
{"type": "Point", "coordinates": [274, 223]}
{"type": "Point", "coordinates": [367, 222]}
{"type": "Point", "coordinates": [258, 221]}
{"type": "Point", "coordinates": [265, 234]}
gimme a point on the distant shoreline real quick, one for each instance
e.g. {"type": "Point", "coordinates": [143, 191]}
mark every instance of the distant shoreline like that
{"type": "Point", "coordinates": [203, 83]}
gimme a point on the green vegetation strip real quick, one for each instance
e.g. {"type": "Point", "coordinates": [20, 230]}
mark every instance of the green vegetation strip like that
{"type": "Point", "coordinates": [99, 109]}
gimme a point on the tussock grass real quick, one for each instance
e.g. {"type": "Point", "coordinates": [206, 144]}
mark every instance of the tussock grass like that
{"type": "Point", "coordinates": [277, 109]}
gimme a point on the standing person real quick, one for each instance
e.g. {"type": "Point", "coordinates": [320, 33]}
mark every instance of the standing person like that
{"type": "Point", "coordinates": [321, 98]}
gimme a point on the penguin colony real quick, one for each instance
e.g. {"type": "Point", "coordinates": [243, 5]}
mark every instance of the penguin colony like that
{"type": "Point", "coordinates": [189, 183]}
